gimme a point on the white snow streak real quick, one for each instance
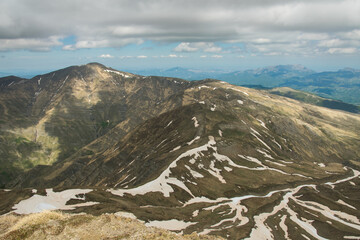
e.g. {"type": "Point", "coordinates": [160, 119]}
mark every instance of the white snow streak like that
{"type": "Point", "coordinates": [52, 200]}
{"type": "Point", "coordinates": [196, 123]}
{"type": "Point", "coordinates": [172, 225]}
{"type": "Point", "coordinates": [169, 123]}
{"type": "Point", "coordinates": [118, 73]}
{"type": "Point", "coordinates": [262, 123]}
{"type": "Point", "coordinates": [192, 141]}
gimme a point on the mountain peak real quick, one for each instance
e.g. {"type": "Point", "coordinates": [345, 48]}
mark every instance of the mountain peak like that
{"type": "Point", "coordinates": [96, 64]}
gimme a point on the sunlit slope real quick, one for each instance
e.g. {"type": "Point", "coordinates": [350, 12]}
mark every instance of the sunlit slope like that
{"type": "Point", "coordinates": [50, 117]}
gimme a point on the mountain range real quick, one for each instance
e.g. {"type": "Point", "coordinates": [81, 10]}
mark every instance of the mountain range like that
{"type": "Point", "coordinates": [342, 85]}
{"type": "Point", "coordinates": [189, 156]}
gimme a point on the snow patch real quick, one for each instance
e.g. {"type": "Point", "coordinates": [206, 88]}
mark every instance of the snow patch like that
{"type": "Point", "coordinates": [203, 86]}
{"type": "Point", "coordinates": [274, 141]}
{"type": "Point", "coordinates": [239, 91]}
{"type": "Point", "coordinates": [196, 123]}
{"type": "Point", "coordinates": [262, 123]}
{"type": "Point", "coordinates": [52, 200]}
{"type": "Point", "coordinates": [169, 123]}
{"type": "Point", "coordinates": [284, 227]}
{"type": "Point", "coordinates": [345, 204]}
{"type": "Point", "coordinates": [118, 73]}
{"type": "Point", "coordinates": [175, 149]}
{"type": "Point", "coordinates": [265, 154]}
{"type": "Point", "coordinates": [216, 172]}
{"type": "Point", "coordinates": [195, 174]}
{"type": "Point", "coordinates": [256, 134]}
{"type": "Point", "coordinates": [276, 163]}
{"type": "Point", "coordinates": [195, 213]}
{"type": "Point", "coordinates": [228, 169]}
{"type": "Point", "coordinates": [162, 183]}
{"type": "Point", "coordinates": [172, 225]}
{"type": "Point", "coordinates": [192, 141]}
{"type": "Point", "coordinates": [126, 215]}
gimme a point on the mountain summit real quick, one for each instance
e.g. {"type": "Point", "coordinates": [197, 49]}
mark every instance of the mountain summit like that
{"type": "Point", "coordinates": [202, 156]}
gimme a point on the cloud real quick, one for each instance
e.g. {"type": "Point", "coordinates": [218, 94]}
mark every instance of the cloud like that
{"type": "Point", "coordinates": [185, 47]}
{"type": "Point", "coordinates": [142, 56]}
{"type": "Point", "coordinates": [126, 57]}
{"type": "Point", "coordinates": [217, 56]}
{"type": "Point", "coordinates": [342, 50]}
{"type": "Point", "coordinates": [106, 56]}
{"type": "Point", "coordinates": [262, 26]}
{"type": "Point", "coordinates": [69, 48]}
{"type": "Point", "coordinates": [34, 44]}
{"type": "Point", "coordinates": [197, 46]}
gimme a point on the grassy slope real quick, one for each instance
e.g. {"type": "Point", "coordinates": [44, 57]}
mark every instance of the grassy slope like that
{"type": "Point", "coordinates": [314, 99]}
{"type": "Point", "coordinates": [50, 117]}
{"type": "Point", "coordinates": [57, 225]}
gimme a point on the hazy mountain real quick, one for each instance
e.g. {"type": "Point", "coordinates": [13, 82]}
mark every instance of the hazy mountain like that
{"type": "Point", "coordinates": [184, 73]}
{"type": "Point", "coordinates": [203, 156]}
{"type": "Point", "coordinates": [314, 99]}
{"type": "Point", "coordinates": [343, 85]}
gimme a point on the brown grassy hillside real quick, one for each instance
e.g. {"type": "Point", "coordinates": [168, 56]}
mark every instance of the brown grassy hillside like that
{"type": "Point", "coordinates": [57, 225]}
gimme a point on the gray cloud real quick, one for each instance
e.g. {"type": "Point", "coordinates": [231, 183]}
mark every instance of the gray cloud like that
{"type": "Point", "coordinates": [263, 26]}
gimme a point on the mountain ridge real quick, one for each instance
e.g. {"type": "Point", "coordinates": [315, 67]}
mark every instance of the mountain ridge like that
{"type": "Point", "coordinates": [342, 84]}
{"type": "Point", "coordinates": [215, 157]}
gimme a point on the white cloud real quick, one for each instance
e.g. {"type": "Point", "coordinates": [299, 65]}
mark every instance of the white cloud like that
{"type": "Point", "coordinates": [331, 43]}
{"type": "Point", "coordinates": [261, 40]}
{"type": "Point", "coordinates": [293, 27]}
{"type": "Point", "coordinates": [106, 56]}
{"type": "Point", "coordinates": [34, 44]}
{"type": "Point", "coordinates": [273, 53]}
{"type": "Point", "coordinates": [69, 48]}
{"type": "Point", "coordinates": [185, 47]}
{"type": "Point", "coordinates": [217, 56]}
{"type": "Point", "coordinates": [213, 49]}
{"type": "Point", "coordinates": [313, 36]}
{"type": "Point", "coordinates": [342, 50]}
{"type": "Point", "coordinates": [198, 46]}
{"type": "Point", "coordinates": [142, 56]}
{"type": "Point", "coordinates": [126, 57]}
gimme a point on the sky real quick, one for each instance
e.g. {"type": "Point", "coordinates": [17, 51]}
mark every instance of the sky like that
{"type": "Point", "coordinates": [43, 35]}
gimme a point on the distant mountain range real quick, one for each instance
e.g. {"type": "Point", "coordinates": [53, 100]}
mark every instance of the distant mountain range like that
{"type": "Point", "coordinates": [189, 156]}
{"type": "Point", "coordinates": [343, 85]}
